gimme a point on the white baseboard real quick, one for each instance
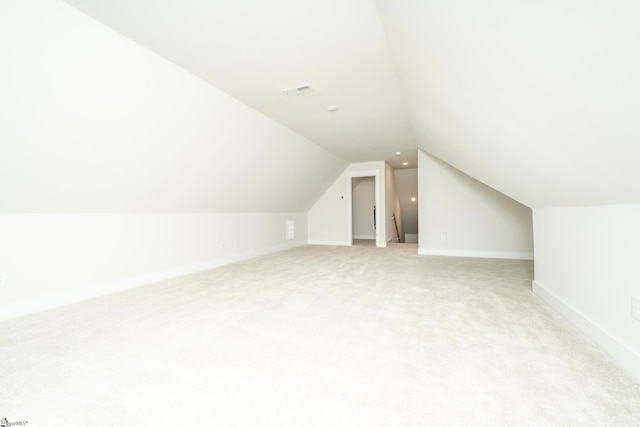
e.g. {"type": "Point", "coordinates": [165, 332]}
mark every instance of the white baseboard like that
{"type": "Point", "coordinates": [78, 295]}
{"type": "Point", "coordinates": [330, 242]}
{"type": "Point", "coordinates": [629, 359]}
{"type": "Point", "coordinates": [477, 254]}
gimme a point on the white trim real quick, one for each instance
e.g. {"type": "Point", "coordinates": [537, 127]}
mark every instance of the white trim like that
{"type": "Point", "coordinates": [102, 289]}
{"type": "Point", "coordinates": [477, 254]}
{"type": "Point", "coordinates": [629, 359]}
{"type": "Point", "coordinates": [330, 242]}
{"type": "Point", "coordinates": [365, 236]}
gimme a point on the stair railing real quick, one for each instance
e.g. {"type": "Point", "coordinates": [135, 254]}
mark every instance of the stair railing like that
{"type": "Point", "coordinates": [395, 222]}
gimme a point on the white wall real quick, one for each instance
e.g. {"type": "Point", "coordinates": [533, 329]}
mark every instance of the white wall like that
{"type": "Point", "coordinates": [407, 185]}
{"type": "Point", "coordinates": [106, 152]}
{"type": "Point", "coordinates": [474, 219]}
{"type": "Point", "coordinates": [363, 201]}
{"type": "Point", "coordinates": [55, 259]}
{"type": "Point", "coordinates": [587, 268]}
{"type": "Point", "coordinates": [392, 207]}
{"type": "Point", "coordinates": [329, 218]}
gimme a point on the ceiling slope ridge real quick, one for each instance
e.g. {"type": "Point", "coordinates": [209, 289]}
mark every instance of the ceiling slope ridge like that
{"type": "Point", "coordinates": [403, 89]}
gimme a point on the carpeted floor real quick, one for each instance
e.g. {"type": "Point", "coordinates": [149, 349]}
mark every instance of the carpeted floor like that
{"type": "Point", "coordinates": [316, 336]}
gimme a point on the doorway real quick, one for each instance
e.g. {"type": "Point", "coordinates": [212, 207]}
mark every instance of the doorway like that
{"type": "Point", "coordinates": [364, 211]}
{"type": "Point", "coordinates": [407, 193]}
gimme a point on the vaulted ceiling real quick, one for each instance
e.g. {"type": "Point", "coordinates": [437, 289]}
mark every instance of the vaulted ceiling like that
{"type": "Point", "coordinates": [253, 50]}
{"type": "Point", "coordinates": [538, 99]}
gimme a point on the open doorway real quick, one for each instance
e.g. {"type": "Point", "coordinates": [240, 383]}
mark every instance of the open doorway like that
{"type": "Point", "coordinates": [407, 193]}
{"type": "Point", "coordinates": [364, 208]}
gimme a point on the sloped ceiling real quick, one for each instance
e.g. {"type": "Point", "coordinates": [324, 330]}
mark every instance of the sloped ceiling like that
{"type": "Point", "coordinates": [254, 49]}
{"type": "Point", "coordinates": [93, 122]}
{"type": "Point", "coordinates": [538, 99]}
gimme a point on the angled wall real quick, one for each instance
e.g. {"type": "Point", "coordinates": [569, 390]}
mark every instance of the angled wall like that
{"type": "Point", "coordinates": [459, 216]}
{"type": "Point", "coordinates": [118, 168]}
{"type": "Point", "coordinates": [537, 99]}
{"type": "Point", "coordinates": [93, 122]}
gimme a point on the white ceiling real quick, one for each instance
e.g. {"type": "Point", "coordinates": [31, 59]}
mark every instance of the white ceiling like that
{"type": "Point", "coordinates": [538, 99]}
{"type": "Point", "coordinates": [253, 50]}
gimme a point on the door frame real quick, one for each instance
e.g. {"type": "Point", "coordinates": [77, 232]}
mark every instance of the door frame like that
{"type": "Point", "coordinates": [380, 239]}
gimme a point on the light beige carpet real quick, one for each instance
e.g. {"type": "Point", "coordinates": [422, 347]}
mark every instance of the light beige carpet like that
{"type": "Point", "coordinates": [316, 336]}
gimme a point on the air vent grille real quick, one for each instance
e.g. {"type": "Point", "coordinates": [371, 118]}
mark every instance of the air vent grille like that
{"type": "Point", "coordinates": [298, 90]}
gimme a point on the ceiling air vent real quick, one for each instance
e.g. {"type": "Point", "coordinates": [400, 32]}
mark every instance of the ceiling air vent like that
{"type": "Point", "coordinates": [298, 90]}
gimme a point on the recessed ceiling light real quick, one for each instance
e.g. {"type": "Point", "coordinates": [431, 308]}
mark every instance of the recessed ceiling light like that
{"type": "Point", "coordinates": [405, 163]}
{"type": "Point", "coordinates": [332, 108]}
{"type": "Point", "coordinates": [398, 153]}
{"type": "Point", "coordinates": [413, 199]}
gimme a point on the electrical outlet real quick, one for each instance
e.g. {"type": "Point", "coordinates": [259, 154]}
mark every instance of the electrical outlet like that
{"type": "Point", "coordinates": [443, 237]}
{"type": "Point", "coordinates": [635, 307]}
{"type": "Point", "coordinates": [3, 279]}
